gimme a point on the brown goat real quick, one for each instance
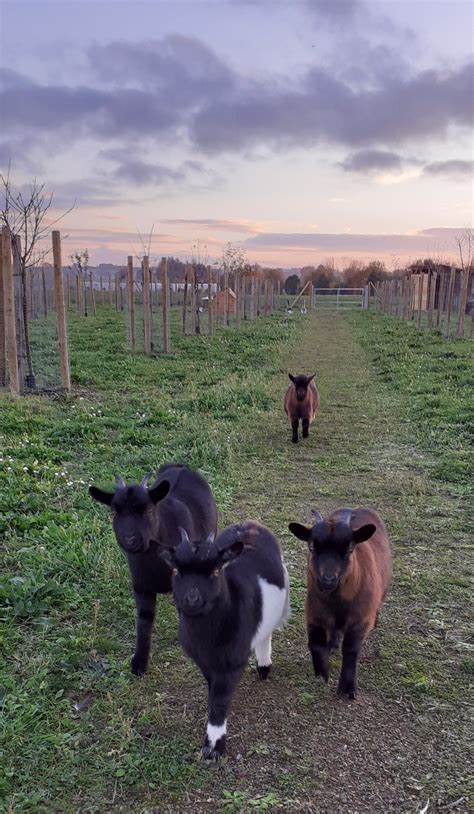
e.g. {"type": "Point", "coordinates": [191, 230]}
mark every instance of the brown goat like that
{"type": "Point", "coordinates": [349, 571]}
{"type": "Point", "coordinates": [301, 402]}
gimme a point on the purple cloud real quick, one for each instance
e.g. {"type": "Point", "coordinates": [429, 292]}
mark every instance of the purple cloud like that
{"type": "Point", "coordinates": [367, 161]}
{"type": "Point", "coordinates": [454, 168]}
{"type": "Point", "coordinates": [420, 243]}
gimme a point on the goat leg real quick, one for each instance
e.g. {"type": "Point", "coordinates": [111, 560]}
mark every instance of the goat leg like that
{"type": "Point", "coordinates": [318, 646]}
{"type": "Point", "coordinates": [221, 690]}
{"type": "Point", "coordinates": [145, 605]}
{"type": "Point", "coordinates": [351, 646]}
{"type": "Point", "coordinates": [294, 430]}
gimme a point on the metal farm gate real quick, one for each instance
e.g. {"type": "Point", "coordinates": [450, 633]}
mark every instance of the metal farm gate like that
{"type": "Point", "coordinates": [340, 299]}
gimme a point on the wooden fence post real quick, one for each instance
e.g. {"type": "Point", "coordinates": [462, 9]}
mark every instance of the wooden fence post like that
{"type": "Point", "coordinates": [209, 300]}
{"type": "Point", "coordinates": [165, 298]}
{"type": "Point", "coordinates": [146, 307]}
{"type": "Point", "coordinates": [449, 304]}
{"type": "Point", "coordinates": [102, 293]}
{"type": "Point", "coordinates": [265, 297]}
{"type": "Point", "coordinates": [252, 296]}
{"type": "Point", "coordinates": [462, 301]}
{"type": "Point", "coordinates": [3, 336]}
{"type": "Point", "coordinates": [91, 285]}
{"type": "Point", "coordinates": [432, 290]}
{"type": "Point", "coordinates": [238, 295]}
{"type": "Point", "coordinates": [9, 306]}
{"type": "Point", "coordinates": [226, 297]}
{"type": "Point", "coordinates": [185, 300]}
{"type": "Point", "coordinates": [60, 311]}
{"type": "Point", "coordinates": [441, 293]}
{"type": "Point", "coordinates": [192, 276]}
{"type": "Point", "coordinates": [131, 303]}
{"type": "Point", "coordinates": [421, 278]}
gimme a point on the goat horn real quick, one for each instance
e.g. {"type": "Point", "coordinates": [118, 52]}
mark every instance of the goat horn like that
{"type": "Point", "coordinates": [145, 480]}
{"type": "Point", "coordinates": [120, 481]}
{"type": "Point", "coordinates": [184, 535]}
{"type": "Point", "coordinates": [317, 515]}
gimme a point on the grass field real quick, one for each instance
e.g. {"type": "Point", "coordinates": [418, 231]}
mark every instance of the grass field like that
{"type": "Point", "coordinates": [79, 732]}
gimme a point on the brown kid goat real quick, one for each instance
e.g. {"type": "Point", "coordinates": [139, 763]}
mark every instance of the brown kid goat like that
{"type": "Point", "coordinates": [349, 571]}
{"type": "Point", "coordinates": [301, 402]}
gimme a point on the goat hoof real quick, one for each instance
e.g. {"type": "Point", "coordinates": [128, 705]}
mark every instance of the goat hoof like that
{"type": "Point", "coordinates": [294, 440]}
{"type": "Point", "coordinates": [322, 671]}
{"type": "Point", "coordinates": [348, 689]}
{"type": "Point", "coordinates": [137, 666]}
{"type": "Point", "coordinates": [264, 672]}
{"type": "Point", "coordinates": [213, 753]}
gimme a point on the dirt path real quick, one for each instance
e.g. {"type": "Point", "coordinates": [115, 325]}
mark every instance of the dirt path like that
{"type": "Point", "coordinates": [293, 745]}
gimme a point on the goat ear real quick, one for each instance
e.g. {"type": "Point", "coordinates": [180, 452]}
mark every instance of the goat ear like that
{"type": "Point", "coordinates": [291, 378]}
{"type": "Point", "coordinates": [100, 495]}
{"type": "Point", "coordinates": [363, 534]}
{"type": "Point", "coordinates": [310, 378]}
{"type": "Point", "coordinates": [159, 491]}
{"type": "Point", "coordinates": [232, 552]}
{"type": "Point", "coordinates": [301, 532]}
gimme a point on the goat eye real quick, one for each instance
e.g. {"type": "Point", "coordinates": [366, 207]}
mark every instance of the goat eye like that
{"type": "Point", "coordinates": [175, 572]}
{"type": "Point", "coordinates": [311, 545]}
{"type": "Point", "coordinates": [215, 573]}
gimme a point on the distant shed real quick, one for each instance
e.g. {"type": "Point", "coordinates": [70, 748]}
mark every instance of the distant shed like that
{"type": "Point", "coordinates": [218, 301]}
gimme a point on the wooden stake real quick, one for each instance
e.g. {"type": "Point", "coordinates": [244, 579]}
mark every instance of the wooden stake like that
{"type": "Point", "coordinates": [91, 285]}
{"type": "Point", "coordinates": [9, 306]}
{"type": "Point", "coordinates": [226, 297]}
{"type": "Point", "coordinates": [266, 296]}
{"type": "Point", "coordinates": [185, 300]}
{"type": "Point", "coordinates": [432, 290]}
{"type": "Point", "coordinates": [421, 278]}
{"type": "Point", "coordinates": [146, 307]}
{"type": "Point", "coordinates": [462, 302]}
{"type": "Point", "coordinates": [165, 296]}
{"type": "Point", "coordinates": [449, 304]}
{"type": "Point", "coordinates": [209, 301]}
{"type": "Point", "coordinates": [60, 312]}
{"type": "Point", "coordinates": [131, 303]}
{"type": "Point", "coordinates": [252, 296]}
{"type": "Point", "coordinates": [192, 298]}
{"type": "Point", "coordinates": [238, 295]}
{"type": "Point", "coordinates": [3, 335]}
{"type": "Point", "coordinates": [441, 293]}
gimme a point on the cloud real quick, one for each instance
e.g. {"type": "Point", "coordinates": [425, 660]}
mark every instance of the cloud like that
{"type": "Point", "coordinates": [131, 168]}
{"type": "Point", "coordinates": [241, 227]}
{"type": "Point", "coordinates": [391, 168]}
{"type": "Point", "coordinates": [335, 11]}
{"type": "Point", "coordinates": [178, 91]}
{"type": "Point", "coordinates": [424, 242]}
{"type": "Point", "coordinates": [455, 168]}
{"type": "Point", "coordinates": [322, 108]}
{"type": "Point", "coordinates": [367, 161]}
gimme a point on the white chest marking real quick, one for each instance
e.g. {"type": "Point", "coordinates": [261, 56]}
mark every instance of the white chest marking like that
{"type": "Point", "coordinates": [274, 604]}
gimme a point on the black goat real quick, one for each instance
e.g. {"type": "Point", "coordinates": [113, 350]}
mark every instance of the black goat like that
{"type": "Point", "coordinates": [141, 515]}
{"type": "Point", "coordinates": [231, 594]}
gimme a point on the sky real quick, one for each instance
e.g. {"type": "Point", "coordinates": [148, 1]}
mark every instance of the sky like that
{"type": "Point", "coordinates": [302, 131]}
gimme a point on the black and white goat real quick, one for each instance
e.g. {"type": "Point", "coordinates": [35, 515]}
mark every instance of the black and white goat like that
{"type": "Point", "coordinates": [231, 594]}
{"type": "Point", "coordinates": [141, 515]}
